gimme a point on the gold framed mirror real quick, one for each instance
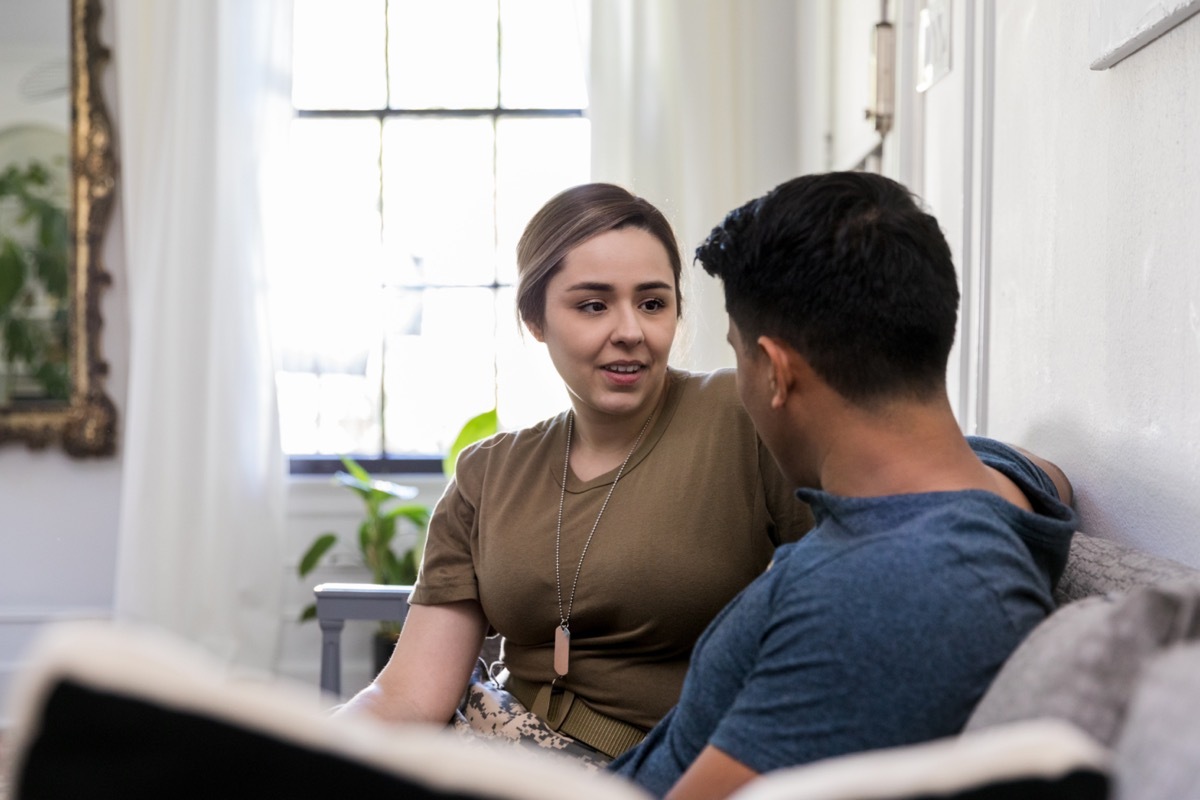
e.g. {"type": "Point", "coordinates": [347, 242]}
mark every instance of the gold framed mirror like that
{"type": "Point", "coordinates": [74, 412]}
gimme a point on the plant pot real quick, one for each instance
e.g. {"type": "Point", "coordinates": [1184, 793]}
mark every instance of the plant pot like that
{"type": "Point", "coordinates": [383, 644]}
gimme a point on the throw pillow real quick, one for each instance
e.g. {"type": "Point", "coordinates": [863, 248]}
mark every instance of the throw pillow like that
{"type": "Point", "coordinates": [104, 711]}
{"type": "Point", "coordinates": [1156, 752]}
{"type": "Point", "coordinates": [1033, 760]}
{"type": "Point", "coordinates": [1082, 663]}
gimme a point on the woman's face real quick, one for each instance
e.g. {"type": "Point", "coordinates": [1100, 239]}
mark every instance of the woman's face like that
{"type": "Point", "coordinates": [610, 321]}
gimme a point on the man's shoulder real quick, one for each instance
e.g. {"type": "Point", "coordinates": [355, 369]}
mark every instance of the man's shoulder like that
{"type": "Point", "coordinates": [1009, 460]}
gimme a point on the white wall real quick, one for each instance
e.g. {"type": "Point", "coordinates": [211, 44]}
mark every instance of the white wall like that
{"type": "Point", "coordinates": [1069, 199]}
{"type": "Point", "coordinates": [1095, 296]}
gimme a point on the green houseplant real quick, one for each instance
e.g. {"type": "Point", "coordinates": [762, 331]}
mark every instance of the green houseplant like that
{"type": "Point", "coordinates": [34, 281]}
{"type": "Point", "coordinates": [377, 531]}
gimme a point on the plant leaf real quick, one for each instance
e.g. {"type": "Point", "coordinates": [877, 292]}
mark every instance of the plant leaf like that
{"type": "Point", "coordinates": [385, 531]}
{"type": "Point", "coordinates": [19, 340]}
{"type": "Point", "coordinates": [315, 552]}
{"type": "Point", "coordinates": [355, 469]}
{"type": "Point", "coordinates": [478, 427]}
{"type": "Point", "coordinates": [389, 569]}
{"type": "Point", "coordinates": [12, 274]}
{"type": "Point", "coordinates": [415, 513]}
{"type": "Point", "coordinates": [309, 612]}
{"type": "Point", "coordinates": [412, 565]}
{"type": "Point", "coordinates": [350, 481]}
{"type": "Point", "coordinates": [375, 490]}
{"type": "Point", "coordinates": [54, 379]}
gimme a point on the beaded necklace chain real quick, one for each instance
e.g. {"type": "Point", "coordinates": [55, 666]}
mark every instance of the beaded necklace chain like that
{"type": "Point", "coordinates": [562, 635]}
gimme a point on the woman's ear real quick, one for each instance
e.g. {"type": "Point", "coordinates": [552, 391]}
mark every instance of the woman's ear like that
{"type": "Point", "coordinates": [535, 330]}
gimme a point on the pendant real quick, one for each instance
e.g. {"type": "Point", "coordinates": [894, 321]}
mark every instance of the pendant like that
{"type": "Point", "coordinates": [562, 649]}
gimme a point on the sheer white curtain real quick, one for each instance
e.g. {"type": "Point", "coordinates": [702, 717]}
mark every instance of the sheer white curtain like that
{"type": "Point", "coordinates": [201, 528]}
{"type": "Point", "coordinates": [694, 107]}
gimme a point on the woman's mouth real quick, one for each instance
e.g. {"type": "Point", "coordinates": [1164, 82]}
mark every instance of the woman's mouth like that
{"type": "Point", "coordinates": [626, 369]}
{"type": "Point", "coordinates": [623, 374]}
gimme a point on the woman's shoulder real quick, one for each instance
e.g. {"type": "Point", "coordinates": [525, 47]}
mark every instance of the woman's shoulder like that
{"type": "Point", "coordinates": [499, 448]}
{"type": "Point", "coordinates": [714, 389]}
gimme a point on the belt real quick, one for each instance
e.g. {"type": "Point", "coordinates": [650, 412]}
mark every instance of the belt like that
{"type": "Point", "coordinates": [566, 713]}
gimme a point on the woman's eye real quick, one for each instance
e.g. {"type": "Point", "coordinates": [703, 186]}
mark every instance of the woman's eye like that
{"type": "Point", "coordinates": [592, 307]}
{"type": "Point", "coordinates": [654, 304]}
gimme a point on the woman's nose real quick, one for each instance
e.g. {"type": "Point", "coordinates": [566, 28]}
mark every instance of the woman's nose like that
{"type": "Point", "coordinates": [628, 328]}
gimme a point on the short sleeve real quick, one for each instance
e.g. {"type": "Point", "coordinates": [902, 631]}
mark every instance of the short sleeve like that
{"type": "Point", "coordinates": [447, 572]}
{"type": "Point", "coordinates": [1010, 461]}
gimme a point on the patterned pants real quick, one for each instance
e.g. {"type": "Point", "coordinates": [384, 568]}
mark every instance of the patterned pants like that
{"type": "Point", "coordinates": [489, 712]}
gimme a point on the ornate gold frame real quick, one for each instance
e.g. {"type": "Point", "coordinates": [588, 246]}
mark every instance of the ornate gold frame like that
{"type": "Point", "coordinates": [87, 424]}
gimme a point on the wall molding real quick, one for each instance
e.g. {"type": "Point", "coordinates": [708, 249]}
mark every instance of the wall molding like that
{"type": "Point", "coordinates": [1119, 28]}
{"type": "Point", "coordinates": [43, 616]}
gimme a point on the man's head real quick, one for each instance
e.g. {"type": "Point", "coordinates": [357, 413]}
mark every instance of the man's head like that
{"type": "Point", "coordinates": [847, 270]}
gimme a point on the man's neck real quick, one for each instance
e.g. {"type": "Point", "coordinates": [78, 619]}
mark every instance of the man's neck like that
{"type": "Point", "coordinates": [909, 448]}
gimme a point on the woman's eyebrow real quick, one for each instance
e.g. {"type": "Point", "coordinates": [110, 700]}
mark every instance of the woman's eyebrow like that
{"type": "Point", "coordinates": [590, 286]}
{"type": "Point", "coordinates": [598, 286]}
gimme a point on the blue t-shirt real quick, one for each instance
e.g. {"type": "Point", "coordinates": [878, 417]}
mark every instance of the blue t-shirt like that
{"type": "Point", "coordinates": [882, 627]}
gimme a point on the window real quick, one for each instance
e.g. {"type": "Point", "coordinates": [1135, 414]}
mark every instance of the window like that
{"type": "Point", "coordinates": [425, 135]}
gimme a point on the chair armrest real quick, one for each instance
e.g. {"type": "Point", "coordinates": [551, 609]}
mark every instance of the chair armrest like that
{"type": "Point", "coordinates": [362, 601]}
{"type": "Point", "coordinates": [338, 602]}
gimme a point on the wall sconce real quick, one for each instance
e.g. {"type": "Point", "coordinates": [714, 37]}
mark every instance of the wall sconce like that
{"type": "Point", "coordinates": [882, 94]}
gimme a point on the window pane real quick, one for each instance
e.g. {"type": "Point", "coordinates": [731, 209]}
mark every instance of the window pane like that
{"type": "Point", "coordinates": [440, 371]}
{"type": "Point", "coordinates": [329, 414]}
{"type": "Point", "coordinates": [543, 56]}
{"type": "Point", "coordinates": [442, 54]}
{"type": "Point", "coordinates": [393, 307]}
{"type": "Point", "coordinates": [334, 197]}
{"type": "Point", "coordinates": [438, 212]}
{"type": "Point", "coordinates": [535, 158]}
{"type": "Point", "coordinates": [326, 282]}
{"type": "Point", "coordinates": [338, 54]}
{"type": "Point", "coordinates": [325, 290]}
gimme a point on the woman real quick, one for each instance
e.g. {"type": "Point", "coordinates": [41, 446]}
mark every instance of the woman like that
{"type": "Point", "coordinates": [600, 542]}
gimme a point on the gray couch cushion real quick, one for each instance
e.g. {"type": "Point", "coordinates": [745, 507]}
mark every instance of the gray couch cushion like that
{"type": "Point", "coordinates": [1082, 663]}
{"type": "Point", "coordinates": [1156, 755]}
{"type": "Point", "coordinates": [1098, 566]}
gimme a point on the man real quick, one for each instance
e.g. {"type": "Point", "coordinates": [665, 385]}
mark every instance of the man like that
{"type": "Point", "coordinates": [933, 555]}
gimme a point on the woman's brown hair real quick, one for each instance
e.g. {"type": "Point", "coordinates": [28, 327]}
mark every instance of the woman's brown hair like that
{"type": "Point", "coordinates": [569, 219]}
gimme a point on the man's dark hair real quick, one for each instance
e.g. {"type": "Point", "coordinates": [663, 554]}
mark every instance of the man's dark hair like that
{"type": "Point", "coordinates": [847, 269]}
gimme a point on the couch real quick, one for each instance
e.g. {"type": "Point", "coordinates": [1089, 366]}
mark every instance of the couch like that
{"type": "Point", "coordinates": [1102, 700]}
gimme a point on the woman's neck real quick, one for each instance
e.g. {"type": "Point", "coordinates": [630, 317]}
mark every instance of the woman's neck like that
{"type": "Point", "coordinates": [601, 442]}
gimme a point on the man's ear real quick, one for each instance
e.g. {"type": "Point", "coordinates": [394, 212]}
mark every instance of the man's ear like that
{"type": "Point", "coordinates": [781, 374]}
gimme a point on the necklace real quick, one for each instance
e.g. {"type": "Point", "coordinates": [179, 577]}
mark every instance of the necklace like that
{"type": "Point", "coordinates": [562, 634]}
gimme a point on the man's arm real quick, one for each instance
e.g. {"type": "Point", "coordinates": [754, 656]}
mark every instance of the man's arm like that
{"type": "Point", "coordinates": [1058, 477]}
{"type": "Point", "coordinates": [712, 776]}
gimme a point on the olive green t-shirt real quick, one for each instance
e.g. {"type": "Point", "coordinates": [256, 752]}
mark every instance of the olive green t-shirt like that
{"type": "Point", "coordinates": [694, 518]}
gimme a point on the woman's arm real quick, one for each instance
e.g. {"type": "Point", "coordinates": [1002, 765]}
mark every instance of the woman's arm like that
{"type": "Point", "coordinates": [430, 667]}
